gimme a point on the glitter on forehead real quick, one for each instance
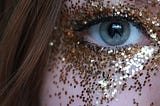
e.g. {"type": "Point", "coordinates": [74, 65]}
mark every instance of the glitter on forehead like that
{"type": "Point", "coordinates": [104, 71]}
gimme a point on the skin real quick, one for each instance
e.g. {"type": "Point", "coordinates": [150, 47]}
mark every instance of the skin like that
{"type": "Point", "coordinates": [149, 94]}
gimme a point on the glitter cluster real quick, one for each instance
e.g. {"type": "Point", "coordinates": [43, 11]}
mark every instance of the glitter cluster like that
{"type": "Point", "coordinates": [104, 71]}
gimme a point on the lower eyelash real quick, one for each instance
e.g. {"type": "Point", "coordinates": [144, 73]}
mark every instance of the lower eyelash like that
{"type": "Point", "coordinates": [95, 47]}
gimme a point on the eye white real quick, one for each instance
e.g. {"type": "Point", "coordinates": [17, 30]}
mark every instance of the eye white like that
{"type": "Point", "coordinates": [136, 36]}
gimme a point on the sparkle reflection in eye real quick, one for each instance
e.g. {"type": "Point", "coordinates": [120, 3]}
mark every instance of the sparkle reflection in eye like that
{"type": "Point", "coordinates": [115, 32]}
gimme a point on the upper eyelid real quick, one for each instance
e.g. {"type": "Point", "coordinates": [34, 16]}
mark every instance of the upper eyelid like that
{"type": "Point", "coordinates": [100, 17]}
{"type": "Point", "coordinates": [79, 11]}
{"type": "Point", "coordinates": [137, 3]}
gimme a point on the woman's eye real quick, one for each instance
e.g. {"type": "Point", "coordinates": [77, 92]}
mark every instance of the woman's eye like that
{"type": "Point", "coordinates": [115, 31]}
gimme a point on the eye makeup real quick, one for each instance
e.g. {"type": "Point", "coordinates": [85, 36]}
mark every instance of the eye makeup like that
{"type": "Point", "coordinates": [80, 17]}
{"type": "Point", "coordinates": [102, 72]}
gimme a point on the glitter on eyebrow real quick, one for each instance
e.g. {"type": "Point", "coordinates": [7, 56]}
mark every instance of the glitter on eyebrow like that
{"type": "Point", "coordinates": [103, 71]}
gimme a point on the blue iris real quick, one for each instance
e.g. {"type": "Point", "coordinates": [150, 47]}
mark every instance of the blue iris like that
{"type": "Point", "coordinates": [114, 31]}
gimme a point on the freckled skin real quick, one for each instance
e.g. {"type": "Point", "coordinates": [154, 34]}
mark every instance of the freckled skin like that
{"type": "Point", "coordinates": [83, 75]}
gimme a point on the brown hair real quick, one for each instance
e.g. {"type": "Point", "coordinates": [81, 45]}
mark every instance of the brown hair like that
{"type": "Point", "coordinates": [24, 41]}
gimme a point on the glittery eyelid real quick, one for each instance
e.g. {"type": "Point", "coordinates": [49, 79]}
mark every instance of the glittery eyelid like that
{"type": "Point", "coordinates": [87, 13]}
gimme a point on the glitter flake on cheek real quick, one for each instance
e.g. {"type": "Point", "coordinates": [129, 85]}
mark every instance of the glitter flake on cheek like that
{"type": "Point", "coordinates": [102, 72]}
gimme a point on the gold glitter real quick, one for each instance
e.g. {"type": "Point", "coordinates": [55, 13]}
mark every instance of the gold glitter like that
{"type": "Point", "coordinates": [63, 59]}
{"type": "Point", "coordinates": [104, 71]}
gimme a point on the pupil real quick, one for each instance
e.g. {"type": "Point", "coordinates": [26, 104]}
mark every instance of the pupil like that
{"type": "Point", "coordinates": [115, 29]}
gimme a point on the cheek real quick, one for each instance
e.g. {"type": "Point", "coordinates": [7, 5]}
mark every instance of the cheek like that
{"type": "Point", "coordinates": [88, 76]}
{"type": "Point", "coordinates": [60, 88]}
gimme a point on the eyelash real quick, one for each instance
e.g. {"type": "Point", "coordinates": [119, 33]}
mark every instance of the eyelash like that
{"type": "Point", "coordinates": [80, 26]}
{"type": "Point", "coordinates": [86, 17]}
